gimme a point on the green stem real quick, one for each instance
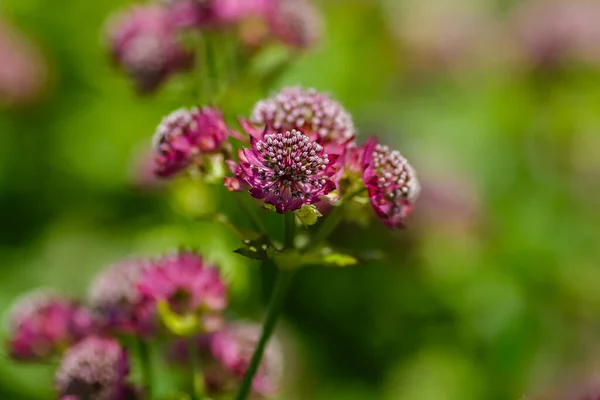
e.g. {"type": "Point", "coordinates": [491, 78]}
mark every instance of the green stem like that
{"type": "Point", "coordinates": [251, 213]}
{"type": "Point", "coordinates": [282, 284]}
{"type": "Point", "coordinates": [290, 229]}
{"type": "Point", "coordinates": [211, 66]}
{"type": "Point", "coordinates": [145, 365]}
{"type": "Point", "coordinates": [194, 370]}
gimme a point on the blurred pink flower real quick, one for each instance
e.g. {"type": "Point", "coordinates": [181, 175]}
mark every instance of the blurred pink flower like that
{"type": "Point", "coordinates": [144, 41]}
{"type": "Point", "coordinates": [391, 182]}
{"type": "Point", "coordinates": [43, 324]}
{"type": "Point", "coordinates": [188, 285]}
{"type": "Point", "coordinates": [114, 296]}
{"type": "Point", "coordinates": [232, 349]}
{"type": "Point", "coordinates": [96, 369]}
{"type": "Point", "coordinates": [296, 23]}
{"type": "Point", "coordinates": [22, 70]}
{"type": "Point", "coordinates": [212, 14]}
{"type": "Point", "coordinates": [551, 31]}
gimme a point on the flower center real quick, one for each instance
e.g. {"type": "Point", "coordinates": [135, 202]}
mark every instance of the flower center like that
{"type": "Point", "coordinates": [293, 165]}
{"type": "Point", "coordinates": [394, 173]}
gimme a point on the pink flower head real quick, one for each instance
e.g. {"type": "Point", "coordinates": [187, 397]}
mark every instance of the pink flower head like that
{"type": "Point", "coordinates": [296, 23]}
{"type": "Point", "coordinates": [213, 14]}
{"type": "Point", "coordinates": [23, 72]}
{"type": "Point", "coordinates": [232, 349]}
{"type": "Point", "coordinates": [43, 324]}
{"type": "Point", "coordinates": [552, 31]}
{"type": "Point", "coordinates": [313, 113]}
{"type": "Point", "coordinates": [286, 169]}
{"type": "Point", "coordinates": [188, 285]}
{"type": "Point", "coordinates": [94, 369]}
{"type": "Point", "coordinates": [391, 182]}
{"type": "Point", "coordinates": [185, 136]}
{"type": "Point", "coordinates": [144, 42]}
{"type": "Point", "coordinates": [114, 296]}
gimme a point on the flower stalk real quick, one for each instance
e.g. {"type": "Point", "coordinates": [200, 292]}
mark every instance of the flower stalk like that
{"type": "Point", "coordinates": [282, 284]}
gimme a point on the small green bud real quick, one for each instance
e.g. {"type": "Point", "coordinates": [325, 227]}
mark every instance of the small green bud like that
{"type": "Point", "coordinates": [308, 214]}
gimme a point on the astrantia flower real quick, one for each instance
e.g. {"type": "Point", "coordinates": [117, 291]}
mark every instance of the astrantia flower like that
{"type": "Point", "coordinates": [391, 182]}
{"type": "Point", "coordinates": [188, 286]}
{"type": "Point", "coordinates": [313, 113]}
{"type": "Point", "coordinates": [286, 169]}
{"type": "Point", "coordinates": [296, 22]}
{"type": "Point", "coordinates": [43, 324]}
{"type": "Point", "coordinates": [94, 369]}
{"type": "Point", "coordinates": [185, 136]}
{"type": "Point", "coordinates": [114, 295]}
{"type": "Point", "coordinates": [214, 14]}
{"type": "Point", "coordinates": [232, 349]}
{"type": "Point", "coordinates": [144, 42]}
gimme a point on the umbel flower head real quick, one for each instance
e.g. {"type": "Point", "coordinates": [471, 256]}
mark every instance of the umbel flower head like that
{"type": "Point", "coordinates": [313, 113]}
{"type": "Point", "coordinates": [144, 42]}
{"type": "Point", "coordinates": [391, 182]}
{"type": "Point", "coordinates": [231, 350]}
{"type": "Point", "coordinates": [43, 324]}
{"type": "Point", "coordinates": [113, 294]}
{"type": "Point", "coordinates": [94, 369]}
{"type": "Point", "coordinates": [188, 286]}
{"type": "Point", "coordinates": [296, 23]}
{"type": "Point", "coordinates": [185, 136]}
{"type": "Point", "coordinates": [214, 14]}
{"type": "Point", "coordinates": [286, 169]}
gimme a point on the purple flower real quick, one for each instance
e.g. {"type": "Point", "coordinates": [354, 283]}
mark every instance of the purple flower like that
{"type": "Point", "coordinates": [43, 324]}
{"type": "Point", "coordinates": [313, 113]}
{"type": "Point", "coordinates": [296, 23]}
{"type": "Point", "coordinates": [231, 350]}
{"type": "Point", "coordinates": [113, 294]}
{"type": "Point", "coordinates": [94, 369]}
{"type": "Point", "coordinates": [185, 136]}
{"type": "Point", "coordinates": [285, 168]}
{"type": "Point", "coordinates": [144, 42]}
{"type": "Point", "coordinates": [551, 32]}
{"type": "Point", "coordinates": [187, 285]}
{"type": "Point", "coordinates": [22, 70]}
{"type": "Point", "coordinates": [214, 14]}
{"type": "Point", "coordinates": [391, 182]}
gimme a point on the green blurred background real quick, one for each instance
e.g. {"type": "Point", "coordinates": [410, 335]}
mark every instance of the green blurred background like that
{"type": "Point", "coordinates": [491, 292]}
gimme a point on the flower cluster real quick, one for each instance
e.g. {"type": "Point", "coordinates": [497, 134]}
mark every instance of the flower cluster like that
{"type": "Point", "coordinates": [126, 299]}
{"type": "Point", "coordinates": [302, 152]}
{"type": "Point", "coordinates": [151, 42]}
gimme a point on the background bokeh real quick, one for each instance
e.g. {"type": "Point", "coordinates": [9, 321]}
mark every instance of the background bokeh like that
{"type": "Point", "coordinates": [492, 291]}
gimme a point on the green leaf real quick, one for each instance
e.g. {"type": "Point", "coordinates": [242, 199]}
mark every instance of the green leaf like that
{"type": "Point", "coordinates": [339, 260]}
{"type": "Point", "coordinates": [257, 249]}
{"type": "Point", "coordinates": [292, 259]}
{"type": "Point", "coordinates": [180, 325]}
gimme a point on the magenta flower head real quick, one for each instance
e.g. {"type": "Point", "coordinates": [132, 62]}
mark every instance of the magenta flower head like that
{"type": "Point", "coordinates": [296, 23]}
{"type": "Point", "coordinates": [188, 286]}
{"type": "Point", "coordinates": [214, 14]}
{"type": "Point", "coordinates": [391, 183]}
{"type": "Point", "coordinates": [231, 350]}
{"type": "Point", "coordinates": [185, 137]}
{"type": "Point", "coordinates": [285, 168]}
{"type": "Point", "coordinates": [94, 369]}
{"type": "Point", "coordinates": [114, 295]}
{"type": "Point", "coordinates": [43, 324]}
{"type": "Point", "coordinates": [144, 42]}
{"type": "Point", "coordinates": [313, 113]}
